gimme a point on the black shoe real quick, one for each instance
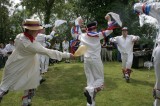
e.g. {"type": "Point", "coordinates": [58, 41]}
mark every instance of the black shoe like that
{"type": "Point", "coordinates": [86, 94]}
{"type": "Point", "coordinates": [42, 80]}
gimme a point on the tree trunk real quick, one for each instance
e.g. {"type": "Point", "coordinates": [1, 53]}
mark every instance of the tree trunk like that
{"type": "Point", "coordinates": [48, 7]}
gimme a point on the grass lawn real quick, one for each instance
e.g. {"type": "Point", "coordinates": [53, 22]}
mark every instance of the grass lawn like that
{"type": "Point", "coordinates": [65, 83]}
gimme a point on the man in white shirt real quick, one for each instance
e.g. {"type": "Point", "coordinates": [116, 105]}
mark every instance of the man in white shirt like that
{"type": "Point", "coordinates": [56, 46]}
{"type": "Point", "coordinates": [93, 65]}
{"type": "Point", "coordinates": [65, 46]}
{"type": "Point", "coordinates": [42, 38]}
{"type": "Point", "coordinates": [10, 46]}
{"type": "Point", "coordinates": [76, 29]}
{"type": "Point", "coordinates": [125, 45]}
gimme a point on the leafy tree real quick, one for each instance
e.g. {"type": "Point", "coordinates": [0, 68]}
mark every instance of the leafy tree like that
{"type": "Point", "coordinates": [4, 20]}
{"type": "Point", "coordinates": [44, 8]}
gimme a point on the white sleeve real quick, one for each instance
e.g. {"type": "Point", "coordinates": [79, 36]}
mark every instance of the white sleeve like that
{"type": "Point", "coordinates": [7, 48]}
{"type": "Point", "coordinates": [54, 54]}
{"type": "Point", "coordinates": [114, 39]}
{"type": "Point", "coordinates": [105, 33]}
{"type": "Point", "coordinates": [135, 37]}
{"type": "Point", "coordinates": [50, 37]}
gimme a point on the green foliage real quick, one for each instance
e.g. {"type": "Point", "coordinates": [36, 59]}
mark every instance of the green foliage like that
{"type": "Point", "coordinates": [50, 10]}
{"type": "Point", "coordinates": [148, 33]}
{"type": "Point", "coordinates": [4, 20]}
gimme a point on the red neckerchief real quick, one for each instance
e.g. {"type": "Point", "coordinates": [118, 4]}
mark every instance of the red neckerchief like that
{"type": "Point", "coordinates": [30, 37]}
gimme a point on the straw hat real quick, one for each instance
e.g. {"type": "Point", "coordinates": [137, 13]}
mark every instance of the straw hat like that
{"type": "Point", "coordinates": [32, 24]}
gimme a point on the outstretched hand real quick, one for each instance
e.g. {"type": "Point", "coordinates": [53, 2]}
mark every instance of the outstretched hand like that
{"type": "Point", "coordinates": [71, 56]}
{"type": "Point", "coordinates": [135, 39]}
{"type": "Point", "coordinates": [108, 18]}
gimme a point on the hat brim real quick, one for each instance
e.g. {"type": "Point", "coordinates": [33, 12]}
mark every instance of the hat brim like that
{"type": "Point", "coordinates": [33, 28]}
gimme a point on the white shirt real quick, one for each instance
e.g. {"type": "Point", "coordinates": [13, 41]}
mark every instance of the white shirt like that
{"type": "Point", "coordinates": [9, 47]}
{"type": "Point", "coordinates": [42, 38]}
{"type": "Point", "coordinates": [57, 46]}
{"type": "Point", "coordinates": [3, 51]}
{"type": "Point", "coordinates": [93, 43]}
{"type": "Point", "coordinates": [65, 45]}
{"type": "Point", "coordinates": [125, 45]}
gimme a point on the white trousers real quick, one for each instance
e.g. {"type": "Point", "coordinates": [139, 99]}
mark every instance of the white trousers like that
{"type": "Point", "coordinates": [94, 72]}
{"type": "Point", "coordinates": [44, 62]}
{"type": "Point", "coordinates": [127, 60]}
{"type": "Point", "coordinates": [157, 72]}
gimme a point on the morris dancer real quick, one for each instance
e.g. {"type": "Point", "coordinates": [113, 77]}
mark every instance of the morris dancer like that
{"type": "Point", "coordinates": [125, 45]}
{"type": "Point", "coordinates": [10, 47]}
{"type": "Point", "coordinates": [65, 47]}
{"type": "Point", "coordinates": [93, 65]}
{"type": "Point", "coordinates": [76, 30]}
{"type": "Point", "coordinates": [42, 39]}
{"type": "Point", "coordinates": [153, 9]}
{"type": "Point", "coordinates": [21, 70]}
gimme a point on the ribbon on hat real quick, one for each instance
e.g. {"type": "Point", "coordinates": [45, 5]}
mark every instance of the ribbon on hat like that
{"type": "Point", "coordinates": [31, 24]}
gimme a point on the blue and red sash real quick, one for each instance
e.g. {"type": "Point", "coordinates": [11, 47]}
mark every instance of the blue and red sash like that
{"type": "Point", "coordinates": [75, 29]}
{"type": "Point", "coordinates": [93, 34]}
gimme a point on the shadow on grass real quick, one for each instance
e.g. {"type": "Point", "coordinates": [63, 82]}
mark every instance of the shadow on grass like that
{"type": "Point", "coordinates": [136, 82]}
